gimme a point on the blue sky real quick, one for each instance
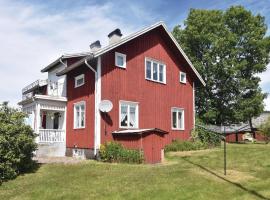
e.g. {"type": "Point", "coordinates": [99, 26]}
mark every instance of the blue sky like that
{"type": "Point", "coordinates": [33, 33]}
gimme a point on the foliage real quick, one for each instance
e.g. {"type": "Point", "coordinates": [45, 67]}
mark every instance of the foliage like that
{"type": "Point", "coordinates": [178, 145]}
{"type": "Point", "coordinates": [115, 152]}
{"type": "Point", "coordinates": [265, 129]}
{"type": "Point", "coordinates": [16, 143]}
{"type": "Point", "coordinates": [229, 48]}
{"type": "Point", "coordinates": [208, 138]}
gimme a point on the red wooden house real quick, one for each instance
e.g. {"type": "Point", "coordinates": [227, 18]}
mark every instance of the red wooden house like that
{"type": "Point", "coordinates": [151, 84]}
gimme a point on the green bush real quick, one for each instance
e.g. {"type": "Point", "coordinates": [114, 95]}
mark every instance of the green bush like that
{"type": "Point", "coordinates": [265, 130]}
{"type": "Point", "coordinates": [208, 138]}
{"type": "Point", "coordinates": [16, 143]}
{"type": "Point", "coordinates": [178, 145]}
{"type": "Point", "coordinates": [115, 152]}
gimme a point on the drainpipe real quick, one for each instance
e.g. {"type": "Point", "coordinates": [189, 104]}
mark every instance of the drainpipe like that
{"type": "Point", "coordinates": [96, 109]}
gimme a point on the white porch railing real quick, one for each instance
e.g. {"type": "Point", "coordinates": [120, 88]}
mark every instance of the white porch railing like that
{"type": "Point", "coordinates": [51, 135]}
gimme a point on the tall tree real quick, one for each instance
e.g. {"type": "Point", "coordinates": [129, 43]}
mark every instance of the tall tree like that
{"type": "Point", "coordinates": [229, 48]}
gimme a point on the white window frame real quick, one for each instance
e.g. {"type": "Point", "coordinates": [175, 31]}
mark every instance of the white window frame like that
{"type": "Point", "coordinates": [124, 56]}
{"type": "Point", "coordinates": [182, 120]}
{"type": "Point", "coordinates": [77, 78]}
{"type": "Point", "coordinates": [75, 115]}
{"type": "Point", "coordinates": [152, 71]}
{"type": "Point", "coordinates": [180, 75]}
{"type": "Point", "coordinates": [128, 103]}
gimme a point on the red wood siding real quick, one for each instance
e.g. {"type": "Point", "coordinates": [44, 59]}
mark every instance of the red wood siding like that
{"type": "Point", "coordinates": [155, 99]}
{"type": "Point", "coordinates": [82, 138]}
{"type": "Point", "coordinates": [151, 143]}
{"type": "Point", "coordinates": [232, 137]}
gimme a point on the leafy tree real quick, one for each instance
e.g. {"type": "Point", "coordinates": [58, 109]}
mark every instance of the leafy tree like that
{"type": "Point", "coordinates": [265, 129]}
{"type": "Point", "coordinates": [16, 143]}
{"type": "Point", "coordinates": [229, 48]}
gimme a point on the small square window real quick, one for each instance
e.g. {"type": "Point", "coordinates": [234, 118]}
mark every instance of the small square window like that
{"type": "Point", "coordinates": [183, 77]}
{"type": "Point", "coordinates": [120, 60]}
{"type": "Point", "coordinates": [79, 80]}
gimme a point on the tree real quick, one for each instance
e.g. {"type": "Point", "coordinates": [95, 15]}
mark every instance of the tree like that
{"type": "Point", "coordinates": [16, 143]}
{"type": "Point", "coordinates": [265, 129]}
{"type": "Point", "coordinates": [229, 48]}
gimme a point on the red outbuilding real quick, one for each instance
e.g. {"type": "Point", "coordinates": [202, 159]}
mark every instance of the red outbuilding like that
{"type": "Point", "coordinates": [148, 83]}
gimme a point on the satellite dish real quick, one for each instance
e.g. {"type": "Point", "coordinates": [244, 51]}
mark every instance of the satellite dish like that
{"type": "Point", "coordinates": [105, 106]}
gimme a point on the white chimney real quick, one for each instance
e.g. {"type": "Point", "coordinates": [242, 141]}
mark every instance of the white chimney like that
{"type": "Point", "coordinates": [95, 46]}
{"type": "Point", "coordinates": [115, 36]}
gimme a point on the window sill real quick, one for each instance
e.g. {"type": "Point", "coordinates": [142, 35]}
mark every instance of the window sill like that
{"type": "Point", "coordinates": [183, 83]}
{"type": "Point", "coordinates": [79, 128]}
{"type": "Point", "coordinates": [163, 83]}
{"type": "Point", "coordinates": [177, 129]}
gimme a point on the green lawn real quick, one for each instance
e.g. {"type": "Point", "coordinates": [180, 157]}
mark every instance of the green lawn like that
{"type": "Point", "coordinates": [196, 175]}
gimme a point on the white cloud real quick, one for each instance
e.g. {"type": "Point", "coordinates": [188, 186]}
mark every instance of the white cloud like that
{"type": "Point", "coordinates": [31, 37]}
{"type": "Point", "coordinates": [267, 103]}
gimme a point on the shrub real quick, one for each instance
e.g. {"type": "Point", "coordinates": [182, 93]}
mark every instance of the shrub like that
{"type": "Point", "coordinates": [178, 145]}
{"type": "Point", "coordinates": [115, 152]}
{"type": "Point", "coordinates": [16, 143]}
{"type": "Point", "coordinates": [265, 129]}
{"type": "Point", "coordinates": [208, 138]}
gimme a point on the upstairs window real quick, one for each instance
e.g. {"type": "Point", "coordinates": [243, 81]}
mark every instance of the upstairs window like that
{"type": "Point", "coordinates": [178, 119]}
{"type": "Point", "coordinates": [79, 115]}
{"type": "Point", "coordinates": [128, 114]}
{"type": "Point", "coordinates": [79, 80]}
{"type": "Point", "coordinates": [120, 60]}
{"type": "Point", "coordinates": [155, 70]}
{"type": "Point", "coordinates": [183, 77]}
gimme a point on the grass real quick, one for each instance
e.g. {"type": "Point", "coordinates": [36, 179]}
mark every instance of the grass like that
{"type": "Point", "coordinates": [193, 175]}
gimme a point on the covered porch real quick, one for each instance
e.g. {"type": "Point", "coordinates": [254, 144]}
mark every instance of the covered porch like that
{"type": "Point", "coordinates": [47, 117]}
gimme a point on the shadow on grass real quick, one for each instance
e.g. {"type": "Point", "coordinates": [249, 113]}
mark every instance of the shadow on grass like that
{"type": "Point", "coordinates": [253, 192]}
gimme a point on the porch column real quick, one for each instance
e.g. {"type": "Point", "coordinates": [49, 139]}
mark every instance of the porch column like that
{"type": "Point", "coordinates": [37, 121]}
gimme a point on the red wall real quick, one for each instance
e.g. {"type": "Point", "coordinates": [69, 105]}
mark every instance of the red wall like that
{"type": "Point", "coordinates": [155, 99]}
{"type": "Point", "coordinates": [232, 137]}
{"type": "Point", "coordinates": [151, 143]}
{"type": "Point", "coordinates": [83, 138]}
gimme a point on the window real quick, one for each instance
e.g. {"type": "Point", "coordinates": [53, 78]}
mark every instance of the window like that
{"type": "Point", "coordinates": [128, 114]}
{"type": "Point", "coordinates": [79, 115]}
{"type": "Point", "coordinates": [183, 77]}
{"type": "Point", "coordinates": [155, 70]}
{"type": "Point", "coordinates": [79, 80]}
{"type": "Point", "coordinates": [178, 116]}
{"type": "Point", "coordinates": [120, 60]}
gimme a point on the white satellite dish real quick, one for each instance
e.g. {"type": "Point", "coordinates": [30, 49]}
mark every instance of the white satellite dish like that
{"type": "Point", "coordinates": [105, 106]}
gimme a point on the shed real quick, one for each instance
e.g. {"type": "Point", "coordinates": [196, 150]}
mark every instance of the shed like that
{"type": "Point", "coordinates": [150, 141]}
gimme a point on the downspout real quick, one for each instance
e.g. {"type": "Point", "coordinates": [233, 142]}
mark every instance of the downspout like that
{"type": "Point", "coordinates": [97, 101]}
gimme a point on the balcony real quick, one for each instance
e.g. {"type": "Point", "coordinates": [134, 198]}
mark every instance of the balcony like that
{"type": "Point", "coordinates": [38, 83]}
{"type": "Point", "coordinates": [43, 87]}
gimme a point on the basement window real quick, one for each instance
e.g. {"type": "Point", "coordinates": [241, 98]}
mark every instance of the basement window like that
{"type": "Point", "coordinates": [79, 115]}
{"type": "Point", "coordinates": [178, 119]}
{"type": "Point", "coordinates": [183, 77]}
{"type": "Point", "coordinates": [120, 60]}
{"type": "Point", "coordinates": [128, 116]}
{"type": "Point", "coordinates": [79, 80]}
{"type": "Point", "coordinates": [155, 70]}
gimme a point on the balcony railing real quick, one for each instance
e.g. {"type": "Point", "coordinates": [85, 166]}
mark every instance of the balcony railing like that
{"type": "Point", "coordinates": [37, 83]}
{"type": "Point", "coordinates": [55, 89]}
{"type": "Point", "coordinates": [51, 135]}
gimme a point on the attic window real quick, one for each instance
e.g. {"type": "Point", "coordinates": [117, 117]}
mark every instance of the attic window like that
{"type": "Point", "coordinates": [183, 77]}
{"type": "Point", "coordinates": [120, 60]}
{"type": "Point", "coordinates": [79, 80]}
{"type": "Point", "coordinates": [155, 70]}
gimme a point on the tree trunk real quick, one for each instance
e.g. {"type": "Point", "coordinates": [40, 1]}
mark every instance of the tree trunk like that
{"type": "Point", "coordinates": [252, 129]}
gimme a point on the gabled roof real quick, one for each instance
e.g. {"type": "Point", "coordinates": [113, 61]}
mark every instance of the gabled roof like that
{"type": "Point", "coordinates": [133, 36]}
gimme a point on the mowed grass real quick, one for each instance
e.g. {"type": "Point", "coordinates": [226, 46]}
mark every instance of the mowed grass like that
{"type": "Point", "coordinates": [195, 175]}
